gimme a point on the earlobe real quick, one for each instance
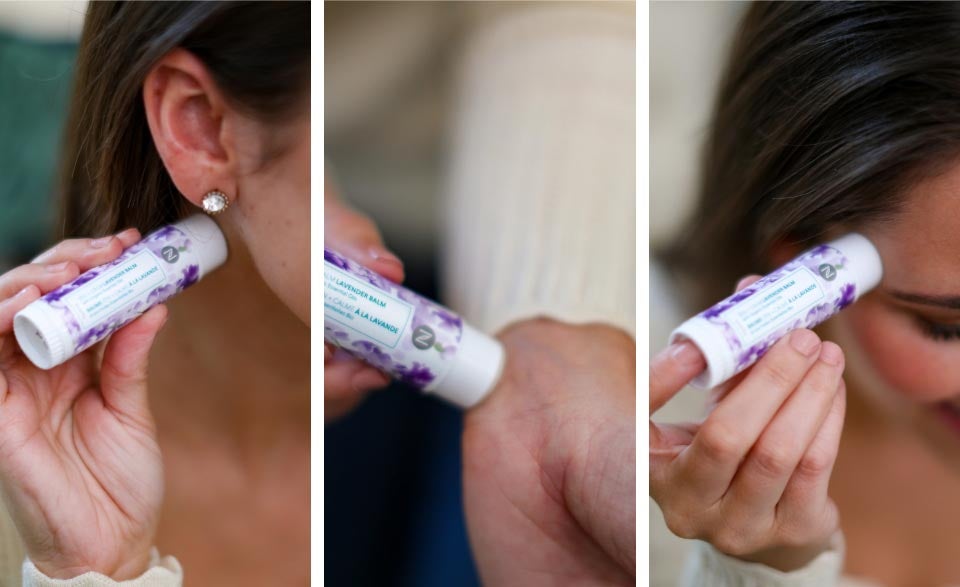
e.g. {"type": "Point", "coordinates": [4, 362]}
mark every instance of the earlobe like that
{"type": "Point", "coordinates": [186, 115]}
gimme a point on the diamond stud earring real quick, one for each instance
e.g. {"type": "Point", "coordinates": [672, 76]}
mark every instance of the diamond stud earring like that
{"type": "Point", "coordinates": [215, 202]}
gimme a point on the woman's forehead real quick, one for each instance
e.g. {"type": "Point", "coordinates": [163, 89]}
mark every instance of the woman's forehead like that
{"type": "Point", "coordinates": [920, 247]}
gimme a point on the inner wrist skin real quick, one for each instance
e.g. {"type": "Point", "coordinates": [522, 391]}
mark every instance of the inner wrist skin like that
{"type": "Point", "coordinates": [131, 568]}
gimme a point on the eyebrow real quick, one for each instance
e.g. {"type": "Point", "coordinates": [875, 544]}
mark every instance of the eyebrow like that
{"type": "Point", "coordinates": [952, 302]}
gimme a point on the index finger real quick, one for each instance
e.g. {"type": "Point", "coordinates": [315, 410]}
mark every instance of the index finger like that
{"type": "Point", "coordinates": [671, 369]}
{"type": "Point", "coordinates": [88, 253]}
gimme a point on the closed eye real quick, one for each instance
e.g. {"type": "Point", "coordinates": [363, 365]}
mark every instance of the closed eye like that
{"type": "Point", "coordinates": [938, 330]}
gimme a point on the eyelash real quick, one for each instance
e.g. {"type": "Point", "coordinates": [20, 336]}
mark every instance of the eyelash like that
{"type": "Point", "coordinates": [939, 332]}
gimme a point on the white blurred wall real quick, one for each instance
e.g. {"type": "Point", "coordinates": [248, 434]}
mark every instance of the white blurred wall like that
{"type": "Point", "coordinates": [52, 20]}
{"type": "Point", "coordinates": [688, 43]}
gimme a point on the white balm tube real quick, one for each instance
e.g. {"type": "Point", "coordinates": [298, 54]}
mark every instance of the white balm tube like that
{"type": "Point", "coordinates": [72, 318]}
{"type": "Point", "coordinates": [406, 335]}
{"type": "Point", "coordinates": [737, 331]}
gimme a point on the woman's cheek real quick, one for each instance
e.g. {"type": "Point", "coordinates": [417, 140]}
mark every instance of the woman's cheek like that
{"type": "Point", "coordinates": [906, 360]}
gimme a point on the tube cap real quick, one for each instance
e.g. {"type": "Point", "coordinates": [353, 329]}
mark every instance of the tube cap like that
{"type": "Point", "coordinates": [211, 249]}
{"type": "Point", "coordinates": [475, 369]}
{"type": "Point", "coordinates": [42, 337]}
{"type": "Point", "coordinates": [865, 266]}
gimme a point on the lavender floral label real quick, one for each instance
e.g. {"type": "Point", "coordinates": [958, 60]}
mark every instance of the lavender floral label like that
{"type": "Point", "coordinates": [115, 289]}
{"type": "Point", "coordinates": [774, 305]}
{"type": "Point", "coordinates": [149, 269]}
{"type": "Point", "coordinates": [801, 294]}
{"type": "Point", "coordinates": [385, 324]}
{"type": "Point", "coordinates": [377, 315]}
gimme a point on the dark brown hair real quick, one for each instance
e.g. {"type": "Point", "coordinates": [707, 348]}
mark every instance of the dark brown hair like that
{"type": "Point", "coordinates": [825, 112]}
{"type": "Point", "coordinates": [258, 54]}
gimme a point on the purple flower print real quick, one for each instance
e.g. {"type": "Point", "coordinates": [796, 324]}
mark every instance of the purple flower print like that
{"type": "Point", "coordinates": [416, 375]}
{"type": "Point", "coordinates": [335, 259]}
{"type": "Point", "coordinates": [372, 353]}
{"type": "Point", "coordinates": [847, 295]}
{"type": "Point", "coordinates": [191, 274]}
{"type": "Point", "coordinates": [451, 320]}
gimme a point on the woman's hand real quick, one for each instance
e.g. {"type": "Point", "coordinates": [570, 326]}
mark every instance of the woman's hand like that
{"type": "Point", "coordinates": [346, 379]}
{"type": "Point", "coordinates": [752, 477]}
{"type": "Point", "coordinates": [80, 469]}
{"type": "Point", "coordinates": [550, 459]}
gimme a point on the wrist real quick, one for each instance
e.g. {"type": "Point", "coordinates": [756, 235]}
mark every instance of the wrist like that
{"type": "Point", "coordinates": [130, 567]}
{"type": "Point", "coordinates": [787, 558]}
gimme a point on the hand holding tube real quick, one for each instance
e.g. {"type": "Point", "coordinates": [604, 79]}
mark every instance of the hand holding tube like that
{"type": "Point", "coordinates": [752, 477]}
{"type": "Point", "coordinates": [80, 468]}
{"type": "Point", "coordinates": [347, 380]}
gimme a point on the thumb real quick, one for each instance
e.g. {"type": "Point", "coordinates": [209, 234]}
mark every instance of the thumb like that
{"type": "Point", "coordinates": [123, 372]}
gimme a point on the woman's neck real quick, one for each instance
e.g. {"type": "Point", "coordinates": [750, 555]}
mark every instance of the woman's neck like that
{"type": "Point", "coordinates": [232, 364]}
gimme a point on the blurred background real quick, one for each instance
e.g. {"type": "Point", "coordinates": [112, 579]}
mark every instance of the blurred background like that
{"type": "Point", "coordinates": [689, 42]}
{"type": "Point", "coordinates": [38, 43]}
{"type": "Point", "coordinates": [403, 85]}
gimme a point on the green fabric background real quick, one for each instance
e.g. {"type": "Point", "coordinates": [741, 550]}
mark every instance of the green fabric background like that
{"type": "Point", "coordinates": [35, 88]}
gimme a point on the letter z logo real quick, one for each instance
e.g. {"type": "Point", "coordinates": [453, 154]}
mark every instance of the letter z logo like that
{"type": "Point", "coordinates": [423, 337]}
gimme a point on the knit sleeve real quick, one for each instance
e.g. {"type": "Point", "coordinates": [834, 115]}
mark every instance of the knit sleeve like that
{"type": "Point", "coordinates": [540, 213]}
{"type": "Point", "coordinates": [163, 572]}
{"type": "Point", "coordinates": [708, 566]}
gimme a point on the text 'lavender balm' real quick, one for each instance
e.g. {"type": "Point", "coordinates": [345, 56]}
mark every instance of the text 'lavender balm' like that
{"type": "Point", "coordinates": [72, 318]}
{"type": "Point", "coordinates": [406, 335]}
{"type": "Point", "coordinates": [737, 331]}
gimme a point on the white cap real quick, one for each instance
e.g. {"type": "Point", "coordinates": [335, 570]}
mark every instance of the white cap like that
{"type": "Point", "coordinates": [475, 370]}
{"type": "Point", "coordinates": [709, 339]}
{"type": "Point", "coordinates": [42, 335]}
{"type": "Point", "coordinates": [211, 249]}
{"type": "Point", "coordinates": [865, 266]}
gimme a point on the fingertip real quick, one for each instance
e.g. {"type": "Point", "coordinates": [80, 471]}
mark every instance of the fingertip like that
{"type": "Point", "coordinates": [72, 268]}
{"type": "Point", "coordinates": [805, 341]}
{"type": "Point", "coordinates": [368, 379]}
{"type": "Point", "coordinates": [31, 291]}
{"type": "Point", "coordinates": [159, 314]}
{"type": "Point", "coordinates": [831, 353]}
{"type": "Point", "coordinates": [746, 281]}
{"type": "Point", "coordinates": [128, 236]}
{"type": "Point", "coordinates": [686, 353]}
{"type": "Point", "coordinates": [389, 269]}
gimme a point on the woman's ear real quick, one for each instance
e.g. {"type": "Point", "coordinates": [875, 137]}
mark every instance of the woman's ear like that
{"type": "Point", "coordinates": [192, 125]}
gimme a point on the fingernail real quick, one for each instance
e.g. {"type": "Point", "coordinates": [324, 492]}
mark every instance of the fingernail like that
{"type": "Point", "coordinates": [58, 267]}
{"type": "Point", "coordinates": [23, 291]}
{"type": "Point", "coordinates": [101, 242]}
{"type": "Point", "coordinates": [367, 380]}
{"type": "Point", "coordinates": [804, 341]}
{"type": "Point", "coordinates": [382, 254]}
{"type": "Point", "coordinates": [831, 355]}
{"type": "Point", "coordinates": [686, 353]}
{"type": "Point", "coordinates": [129, 232]}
